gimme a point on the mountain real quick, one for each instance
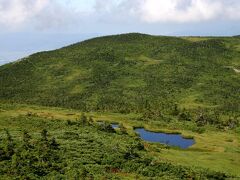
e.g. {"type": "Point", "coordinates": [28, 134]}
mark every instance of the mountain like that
{"type": "Point", "coordinates": [186, 86]}
{"type": "Point", "coordinates": [131, 73]}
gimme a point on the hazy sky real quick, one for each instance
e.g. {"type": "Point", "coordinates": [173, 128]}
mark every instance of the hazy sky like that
{"type": "Point", "coordinates": [27, 26]}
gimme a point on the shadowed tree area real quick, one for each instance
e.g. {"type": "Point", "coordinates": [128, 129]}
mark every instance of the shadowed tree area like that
{"type": "Point", "coordinates": [79, 151]}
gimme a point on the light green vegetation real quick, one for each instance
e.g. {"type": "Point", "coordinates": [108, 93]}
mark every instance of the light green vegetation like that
{"type": "Point", "coordinates": [131, 73]}
{"type": "Point", "coordinates": [187, 85]}
{"type": "Point", "coordinates": [215, 150]}
{"type": "Point", "coordinates": [86, 149]}
{"type": "Point", "coordinates": [197, 39]}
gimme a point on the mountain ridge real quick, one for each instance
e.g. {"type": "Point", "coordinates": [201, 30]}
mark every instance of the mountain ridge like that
{"type": "Point", "coordinates": [127, 73]}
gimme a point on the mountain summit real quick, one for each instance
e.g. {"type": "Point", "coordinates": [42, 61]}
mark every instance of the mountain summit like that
{"type": "Point", "coordinates": [130, 73]}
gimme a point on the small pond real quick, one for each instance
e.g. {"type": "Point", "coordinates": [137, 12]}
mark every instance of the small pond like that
{"type": "Point", "coordinates": [168, 139]}
{"type": "Point", "coordinates": [114, 125]}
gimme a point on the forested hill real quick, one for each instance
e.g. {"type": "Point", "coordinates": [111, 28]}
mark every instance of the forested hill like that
{"type": "Point", "coordinates": [131, 73]}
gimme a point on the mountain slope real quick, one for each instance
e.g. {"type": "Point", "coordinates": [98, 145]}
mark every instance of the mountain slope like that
{"type": "Point", "coordinates": [153, 75]}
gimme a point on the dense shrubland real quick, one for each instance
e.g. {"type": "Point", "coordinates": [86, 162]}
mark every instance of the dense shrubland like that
{"type": "Point", "coordinates": [29, 158]}
{"type": "Point", "coordinates": [134, 73]}
{"type": "Point", "coordinates": [80, 149]}
{"type": "Point", "coordinates": [165, 82]}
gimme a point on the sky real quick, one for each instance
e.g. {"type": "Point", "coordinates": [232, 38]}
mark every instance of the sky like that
{"type": "Point", "coordinates": [28, 26]}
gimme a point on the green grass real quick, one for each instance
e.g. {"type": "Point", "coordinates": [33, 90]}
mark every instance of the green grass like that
{"type": "Point", "coordinates": [86, 147]}
{"type": "Point", "coordinates": [149, 61]}
{"type": "Point", "coordinates": [214, 150]}
{"type": "Point", "coordinates": [184, 85]}
{"type": "Point", "coordinates": [196, 39]}
{"type": "Point", "coordinates": [224, 162]}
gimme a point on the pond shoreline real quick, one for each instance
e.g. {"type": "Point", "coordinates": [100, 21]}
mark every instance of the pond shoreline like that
{"type": "Point", "coordinates": [173, 139]}
{"type": "Point", "coordinates": [166, 131]}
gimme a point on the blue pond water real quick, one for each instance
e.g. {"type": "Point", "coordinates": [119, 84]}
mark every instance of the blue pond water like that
{"type": "Point", "coordinates": [114, 126]}
{"type": "Point", "coordinates": [169, 139]}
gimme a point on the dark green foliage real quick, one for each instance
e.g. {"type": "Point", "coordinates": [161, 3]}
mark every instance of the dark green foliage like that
{"type": "Point", "coordinates": [78, 152]}
{"type": "Point", "coordinates": [132, 73]}
{"type": "Point", "coordinates": [7, 147]}
{"type": "Point", "coordinates": [90, 120]}
{"type": "Point", "coordinates": [184, 116]}
{"type": "Point", "coordinates": [175, 110]}
{"type": "Point", "coordinates": [165, 79]}
{"type": "Point", "coordinates": [30, 158]}
{"type": "Point", "coordinates": [105, 126]}
{"type": "Point", "coordinates": [27, 141]}
{"type": "Point", "coordinates": [123, 130]}
{"type": "Point", "coordinates": [83, 120]}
